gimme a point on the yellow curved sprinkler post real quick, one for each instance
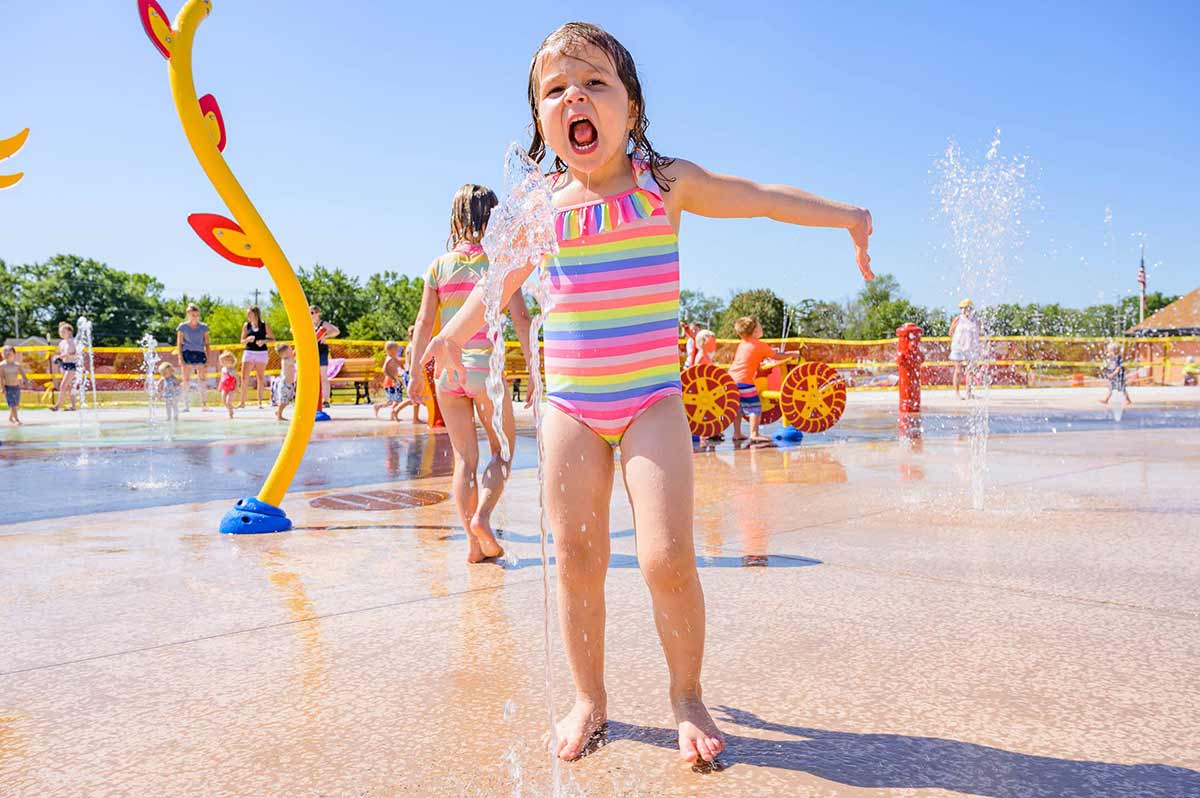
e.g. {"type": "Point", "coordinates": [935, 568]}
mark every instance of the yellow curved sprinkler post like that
{"type": "Point", "coordinates": [247, 242]}
{"type": "Point", "coordinates": [8, 148]}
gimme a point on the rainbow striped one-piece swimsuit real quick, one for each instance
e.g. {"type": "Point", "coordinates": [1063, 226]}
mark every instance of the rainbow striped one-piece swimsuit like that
{"type": "Point", "coordinates": [454, 276]}
{"type": "Point", "coordinates": [611, 338]}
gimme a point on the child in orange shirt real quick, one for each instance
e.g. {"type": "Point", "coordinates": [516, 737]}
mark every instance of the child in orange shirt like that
{"type": "Point", "coordinates": [752, 354]}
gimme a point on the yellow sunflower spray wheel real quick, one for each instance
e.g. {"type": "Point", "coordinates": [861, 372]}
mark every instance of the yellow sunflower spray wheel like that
{"type": "Point", "coordinates": [771, 411]}
{"type": "Point", "coordinates": [812, 397]}
{"type": "Point", "coordinates": [710, 399]}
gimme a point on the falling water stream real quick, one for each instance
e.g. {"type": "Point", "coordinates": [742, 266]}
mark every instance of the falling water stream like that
{"type": "Point", "coordinates": [85, 385]}
{"type": "Point", "coordinates": [149, 368]}
{"type": "Point", "coordinates": [521, 231]}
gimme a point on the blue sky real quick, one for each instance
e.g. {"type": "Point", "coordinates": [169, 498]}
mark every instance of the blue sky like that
{"type": "Point", "coordinates": [352, 123]}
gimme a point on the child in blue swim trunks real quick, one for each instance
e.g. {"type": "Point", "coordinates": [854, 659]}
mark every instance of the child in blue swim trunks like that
{"type": "Point", "coordinates": [752, 354]}
{"type": "Point", "coordinates": [12, 376]}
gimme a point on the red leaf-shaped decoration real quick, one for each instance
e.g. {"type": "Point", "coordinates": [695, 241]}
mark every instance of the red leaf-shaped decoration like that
{"type": "Point", "coordinates": [225, 237]}
{"type": "Point", "coordinates": [212, 116]}
{"type": "Point", "coordinates": [156, 25]}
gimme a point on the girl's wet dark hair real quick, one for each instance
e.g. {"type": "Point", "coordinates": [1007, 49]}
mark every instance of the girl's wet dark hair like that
{"type": "Point", "coordinates": [469, 214]}
{"type": "Point", "coordinates": [574, 35]}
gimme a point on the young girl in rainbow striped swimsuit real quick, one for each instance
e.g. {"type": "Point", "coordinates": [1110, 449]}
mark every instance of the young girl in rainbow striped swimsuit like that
{"type": "Point", "coordinates": [448, 283]}
{"type": "Point", "coordinates": [612, 359]}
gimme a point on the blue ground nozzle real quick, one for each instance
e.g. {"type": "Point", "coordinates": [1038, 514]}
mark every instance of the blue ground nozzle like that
{"type": "Point", "coordinates": [252, 517]}
{"type": "Point", "coordinates": [789, 434]}
{"type": "Point", "coordinates": [323, 416]}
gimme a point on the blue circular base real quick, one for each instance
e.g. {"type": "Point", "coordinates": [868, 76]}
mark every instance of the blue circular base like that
{"type": "Point", "coordinates": [252, 517]}
{"type": "Point", "coordinates": [323, 416]}
{"type": "Point", "coordinates": [789, 434]}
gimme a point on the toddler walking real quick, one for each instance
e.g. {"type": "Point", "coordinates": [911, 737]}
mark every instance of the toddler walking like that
{"type": "Point", "coordinates": [169, 388]}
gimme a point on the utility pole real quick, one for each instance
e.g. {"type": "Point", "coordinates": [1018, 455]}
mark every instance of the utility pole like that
{"type": "Point", "coordinates": [1142, 283]}
{"type": "Point", "coordinates": [17, 311]}
{"type": "Point", "coordinates": [256, 292]}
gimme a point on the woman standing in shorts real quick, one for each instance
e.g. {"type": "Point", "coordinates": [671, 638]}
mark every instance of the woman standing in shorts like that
{"type": "Point", "coordinates": [256, 335]}
{"type": "Point", "coordinates": [191, 345]}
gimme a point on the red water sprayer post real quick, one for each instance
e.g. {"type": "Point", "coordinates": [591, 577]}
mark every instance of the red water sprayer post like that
{"type": "Point", "coordinates": [908, 366]}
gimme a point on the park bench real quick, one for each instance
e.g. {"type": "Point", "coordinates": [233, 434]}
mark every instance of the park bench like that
{"type": "Point", "coordinates": [356, 372]}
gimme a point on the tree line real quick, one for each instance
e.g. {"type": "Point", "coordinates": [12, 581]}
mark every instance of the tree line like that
{"type": "Point", "coordinates": [124, 306]}
{"type": "Point", "coordinates": [880, 307]}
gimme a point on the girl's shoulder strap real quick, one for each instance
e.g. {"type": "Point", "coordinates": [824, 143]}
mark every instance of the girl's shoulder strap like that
{"type": "Point", "coordinates": [644, 175]}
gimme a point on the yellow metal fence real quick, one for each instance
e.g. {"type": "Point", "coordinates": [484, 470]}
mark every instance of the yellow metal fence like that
{"type": "Point", "coordinates": [1017, 361]}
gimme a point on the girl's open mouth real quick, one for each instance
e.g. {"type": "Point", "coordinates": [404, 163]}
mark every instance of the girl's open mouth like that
{"type": "Point", "coordinates": [583, 135]}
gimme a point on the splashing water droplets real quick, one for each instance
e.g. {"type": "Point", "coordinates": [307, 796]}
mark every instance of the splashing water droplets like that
{"type": "Point", "coordinates": [983, 204]}
{"type": "Point", "coordinates": [520, 232]}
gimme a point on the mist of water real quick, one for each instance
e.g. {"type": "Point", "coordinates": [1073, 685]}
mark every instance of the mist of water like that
{"type": "Point", "coordinates": [982, 202]}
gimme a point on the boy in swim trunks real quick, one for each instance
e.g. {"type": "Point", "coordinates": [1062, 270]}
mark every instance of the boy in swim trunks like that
{"type": "Point", "coordinates": [393, 382]}
{"type": "Point", "coordinates": [752, 354]}
{"type": "Point", "coordinates": [283, 387]}
{"type": "Point", "coordinates": [12, 376]}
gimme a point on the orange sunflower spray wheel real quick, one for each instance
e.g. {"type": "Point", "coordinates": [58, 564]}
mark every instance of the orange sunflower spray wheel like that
{"type": "Point", "coordinates": [812, 397]}
{"type": "Point", "coordinates": [710, 399]}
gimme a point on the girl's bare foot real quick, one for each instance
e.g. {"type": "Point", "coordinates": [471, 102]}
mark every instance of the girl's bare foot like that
{"type": "Point", "coordinates": [586, 720]}
{"type": "Point", "coordinates": [377, 409]}
{"type": "Point", "coordinates": [481, 533]}
{"type": "Point", "coordinates": [475, 552]}
{"type": "Point", "coordinates": [240, 405]}
{"type": "Point", "coordinates": [699, 737]}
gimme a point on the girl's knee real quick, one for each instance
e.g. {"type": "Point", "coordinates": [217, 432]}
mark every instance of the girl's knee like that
{"type": "Point", "coordinates": [670, 570]}
{"type": "Point", "coordinates": [581, 565]}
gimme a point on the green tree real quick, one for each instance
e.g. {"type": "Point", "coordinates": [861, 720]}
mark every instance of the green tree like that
{"type": "Point", "coordinates": [394, 300]}
{"type": "Point", "coordinates": [277, 318]}
{"type": "Point", "coordinates": [816, 318]}
{"type": "Point", "coordinates": [701, 308]}
{"type": "Point", "coordinates": [225, 323]}
{"type": "Point", "coordinates": [762, 303]}
{"type": "Point", "coordinates": [339, 295]}
{"type": "Point", "coordinates": [120, 305]}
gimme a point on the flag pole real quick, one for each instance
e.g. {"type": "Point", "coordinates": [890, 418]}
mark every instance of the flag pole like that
{"type": "Point", "coordinates": [1142, 283]}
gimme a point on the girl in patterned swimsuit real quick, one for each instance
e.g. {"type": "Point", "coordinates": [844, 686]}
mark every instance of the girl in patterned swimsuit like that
{"type": "Point", "coordinates": [448, 283]}
{"type": "Point", "coordinates": [612, 360]}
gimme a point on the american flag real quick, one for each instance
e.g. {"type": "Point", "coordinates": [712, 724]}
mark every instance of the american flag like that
{"type": "Point", "coordinates": [1142, 270]}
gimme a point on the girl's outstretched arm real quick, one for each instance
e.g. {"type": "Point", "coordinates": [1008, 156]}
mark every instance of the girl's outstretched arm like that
{"type": "Point", "coordinates": [705, 193]}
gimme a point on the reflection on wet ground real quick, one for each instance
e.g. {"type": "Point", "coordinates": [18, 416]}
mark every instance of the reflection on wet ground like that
{"type": "Point", "coordinates": [130, 477]}
{"type": "Point", "coordinates": [119, 472]}
{"type": "Point", "coordinates": [882, 426]}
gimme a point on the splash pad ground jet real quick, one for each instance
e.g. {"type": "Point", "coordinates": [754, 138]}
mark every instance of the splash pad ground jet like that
{"type": "Point", "coordinates": [245, 242]}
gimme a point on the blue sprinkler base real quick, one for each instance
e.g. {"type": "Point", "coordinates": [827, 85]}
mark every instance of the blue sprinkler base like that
{"type": "Point", "coordinates": [252, 517]}
{"type": "Point", "coordinates": [323, 416]}
{"type": "Point", "coordinates": [789, 434]}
